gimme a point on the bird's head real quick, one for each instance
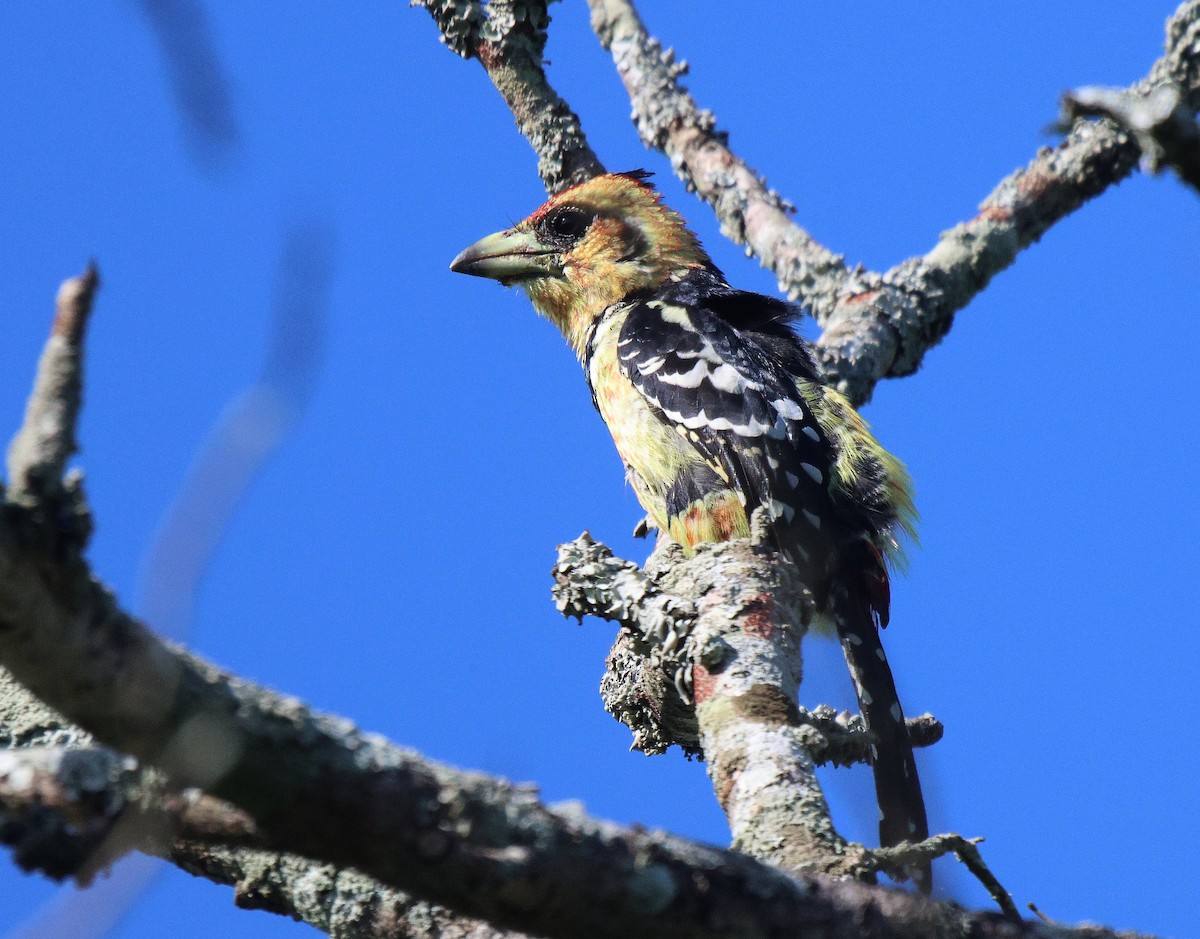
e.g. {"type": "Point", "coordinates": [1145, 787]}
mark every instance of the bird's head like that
{"type": "Point", "coordinates": [587, 248]}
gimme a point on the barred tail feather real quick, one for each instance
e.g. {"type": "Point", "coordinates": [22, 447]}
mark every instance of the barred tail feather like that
{"type": "Point", "coordinates": [897, 786]}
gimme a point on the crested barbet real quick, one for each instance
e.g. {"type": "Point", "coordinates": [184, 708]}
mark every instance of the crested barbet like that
{"type": "Point", "coordinates": [717, 408]}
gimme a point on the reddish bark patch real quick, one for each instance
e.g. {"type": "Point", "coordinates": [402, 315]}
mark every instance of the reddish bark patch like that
{"type": "Point", "coordinates": [489, 55]}
{"type": "Point", "coordinates": [995, 213]}
{"type": "Point", "coordinates": [703, 684]}
{"type": "Point", "coordinates": [758, 618]}
{"type": "Point", "coordinates": [1035, 183]}
{"type": "Point", "coordinates": [863, 298]}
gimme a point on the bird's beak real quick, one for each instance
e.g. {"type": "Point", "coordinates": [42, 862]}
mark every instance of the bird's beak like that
{"type": "Point", "coordinates": [507, 256]}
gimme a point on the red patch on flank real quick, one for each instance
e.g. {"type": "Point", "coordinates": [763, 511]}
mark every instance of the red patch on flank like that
{"type": "Point", "coordinates": [703, 684]}
{"type": "Point", "coordinates": [726, 515]}
{"type": "Point", "coordinates": [758, 620]}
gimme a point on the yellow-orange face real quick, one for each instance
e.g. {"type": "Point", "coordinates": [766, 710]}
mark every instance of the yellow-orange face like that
{"type": "Point", "coordinates": [587, 248]}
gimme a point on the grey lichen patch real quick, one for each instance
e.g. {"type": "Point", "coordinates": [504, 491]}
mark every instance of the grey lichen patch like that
{"type": "Point", "coordinates": [26, 721]}
{"type": "Point", "coordinates": [458, 21]}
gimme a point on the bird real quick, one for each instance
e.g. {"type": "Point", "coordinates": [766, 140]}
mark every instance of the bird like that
{"type": "Point", "coordinates": [717, 408]}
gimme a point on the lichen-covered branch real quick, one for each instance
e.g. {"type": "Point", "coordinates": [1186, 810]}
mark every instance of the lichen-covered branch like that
{"type": "Point", "coordinates": [752, 613]}
{"type": "Point", "coordinates": [647, 684]}
{"type": "Point", "coordinates": [507, 38]}
{"type": "Point", "coordinates": [62, 824]}
{"type": "Point", "coordinates": [71, 811]}
{"type": "Point", "coordinates": [38, 455]}
{"type": "Point", "coordinates": [338, 901]}
{"type": "Point", "coordinates": [733, 615]}
{"type": "Point", "coordinates": [668, 119]}
{"type": "Point", "coordinates": [1163, 126]}
{"type": "Point", "coordinates": [727, 625]}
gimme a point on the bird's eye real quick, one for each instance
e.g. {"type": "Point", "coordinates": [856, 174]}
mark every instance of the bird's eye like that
{"type": "Point", "coordinates": [569, 222]}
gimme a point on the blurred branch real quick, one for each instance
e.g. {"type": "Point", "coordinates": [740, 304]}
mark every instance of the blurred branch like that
{"type": "Point", "coordinates": [197, 78]}
{"type": "Point", "coordinates": [507, 37]}
{"type": "Point", "coordinates": [249, 432]}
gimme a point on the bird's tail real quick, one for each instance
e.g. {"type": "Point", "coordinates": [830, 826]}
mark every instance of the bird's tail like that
{"type": "Point", "coordinates": [897, 786]}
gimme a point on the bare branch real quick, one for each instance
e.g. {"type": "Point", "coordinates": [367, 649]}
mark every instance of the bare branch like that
{"type": "Point", "coordinates": [38, 454]}
{"type": "Point", "coordinates": [880, 325]}
{"type": "Point", "coordinates": [507, 37]}
{"type": "Point", "coordinates": [1166, 130]}
{"type": "Point", "coordinates": [668, 119]}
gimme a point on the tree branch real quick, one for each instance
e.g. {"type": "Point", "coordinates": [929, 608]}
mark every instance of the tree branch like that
{"type": "Point", "coordinates": [1165, 129]}
{"type": "Point", "coordinates": [507, 38]}
{"type": "Point", "coordinates": [38, 455]}
{"type": "Point", "coordinates": [647, 682]}
{"type": "Point", "coordinates": [63, 829]}
{"type": "Point", "coordinates": [725, 625]}
{"type": "Point", "coordinates": [668, 119]}
{"type": "Point", "coordinates": [880, 325]}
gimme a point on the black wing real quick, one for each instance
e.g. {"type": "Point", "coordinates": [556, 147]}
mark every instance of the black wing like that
{"type": "Point", "coordinates": [732, 393]}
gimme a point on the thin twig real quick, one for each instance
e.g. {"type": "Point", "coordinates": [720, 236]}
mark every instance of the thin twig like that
{"type": "Point", "coordinates": [905, 855]}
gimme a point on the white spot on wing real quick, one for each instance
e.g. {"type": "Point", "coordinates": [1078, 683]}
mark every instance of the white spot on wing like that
{"type": "Point", "coordinates": [692, 378]}
{"type": "Point", "coordinates": [782, 510]}
{"type": "Point", "coordinates": [895, 712]}
{"type": "Point", "coordinates": [811, 431]}
{"type": "Point", "coordinates": [672, 314]}
{"type": "Point", "coordinates": [727, 378]}
{"type": "Point", "coordinates": [812, 519]}
{"type": "Point", "coordinates": [789, 409]}
{"type": "Point", "coordinates": [813, 472]}
{"type": "Point", "coordinates": [792, 480]}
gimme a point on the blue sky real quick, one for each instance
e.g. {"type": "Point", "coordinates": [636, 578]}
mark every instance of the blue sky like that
{"type": "Point", "coordinates": [391, 561]}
